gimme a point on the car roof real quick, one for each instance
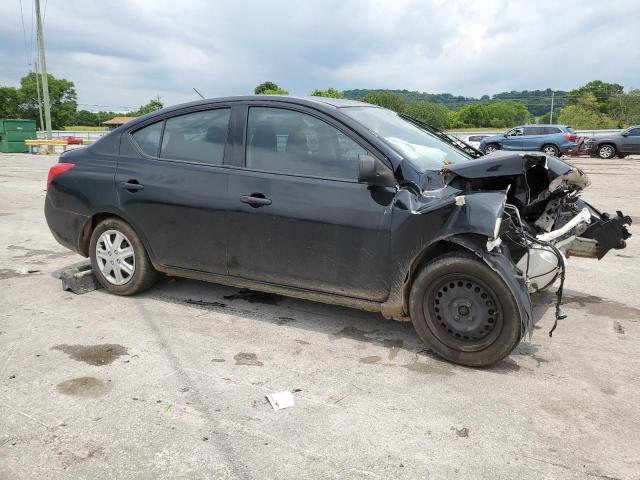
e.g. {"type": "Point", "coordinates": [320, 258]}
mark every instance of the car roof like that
{"type": "Point", "coordinates": [322, 103]}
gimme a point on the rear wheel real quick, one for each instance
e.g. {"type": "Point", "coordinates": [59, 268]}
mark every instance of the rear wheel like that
{"type": "Point", "coordinates": [464, 311]}
{"type": "Point", "coordinates": [550, 149]}
{"type": "Point", "coordinates": [119, 260]}
{"type": "Point", "coordinates": [606, 151]}
{"type": "Point", "coordinates": [492, 147]}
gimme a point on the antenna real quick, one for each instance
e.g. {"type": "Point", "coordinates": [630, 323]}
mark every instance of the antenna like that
{"type": "Point", "coordinates": [201, 96]}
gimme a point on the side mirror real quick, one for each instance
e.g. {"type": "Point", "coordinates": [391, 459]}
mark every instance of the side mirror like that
{"type": "Point", "coordinates": [625, 134]}
{"type": "Point", "coordinates": [505, 135]}
{"type": "Point", "coordinates": [374, 172]}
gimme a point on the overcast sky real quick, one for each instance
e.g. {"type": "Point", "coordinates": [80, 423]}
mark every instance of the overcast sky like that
{"type": "Point", "coordinates": [121, 53]}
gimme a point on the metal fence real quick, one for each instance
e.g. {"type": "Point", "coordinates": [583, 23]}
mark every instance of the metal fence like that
{"type": "Point", "coordinates": [91, 136]}
{"type": "Point", "coordinates": [580, 133]}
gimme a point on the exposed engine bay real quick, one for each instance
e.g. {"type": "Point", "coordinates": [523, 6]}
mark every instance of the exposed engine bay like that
{"type": "Point", "coordinates": [542, 220]}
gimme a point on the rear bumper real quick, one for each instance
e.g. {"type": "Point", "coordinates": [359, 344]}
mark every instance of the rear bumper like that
{"type": "Point", "coordinates": [65, 226]}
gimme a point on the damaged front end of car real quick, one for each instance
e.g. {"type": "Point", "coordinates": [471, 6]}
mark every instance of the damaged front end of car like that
{"type": "Point", "coordinates": [532, 204]}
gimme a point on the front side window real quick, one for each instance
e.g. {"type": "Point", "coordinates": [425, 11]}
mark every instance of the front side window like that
{"type": "Point", "coordinates": [423, 149]}
{"type": "Point", "coordinates": [634, 132]}
{"type": "Point", "coordinates": [148, 138]}
{"type": "Point", "coordinates": [287, 141]}
{"type": "Point", "coordinates": [197, 137]}
{"type": "Point", "coordinates": [515, 132]}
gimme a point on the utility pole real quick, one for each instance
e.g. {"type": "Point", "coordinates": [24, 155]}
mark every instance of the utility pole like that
{"type": "Point", "coordinates": [551, 116]}
{"type": "Point", "coordinates": [39, 99]}
{"type": "Point", "coordinates": [43, 71]}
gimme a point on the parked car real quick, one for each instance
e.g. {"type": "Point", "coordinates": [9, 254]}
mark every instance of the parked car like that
{"type": "Point", "coordinates": [621, 144]}
{"type": "Point", "coordinates": [474, 140]}
{"type": "Point", "coordinates": [334, 201]}
{"type": "Point", "coordinates": [73, 140]}
{"type": "Point", "coordinates": [551, 139]}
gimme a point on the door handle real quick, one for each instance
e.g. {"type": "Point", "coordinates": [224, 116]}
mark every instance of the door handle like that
{"type": "Point", "coordinates": [254, 200]}
{"type": "Point", "coordinates": [132, 186]}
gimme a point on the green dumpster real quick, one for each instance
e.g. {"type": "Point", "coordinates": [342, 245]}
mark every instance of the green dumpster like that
{"type": "Point", "coordinates": [13, 133]}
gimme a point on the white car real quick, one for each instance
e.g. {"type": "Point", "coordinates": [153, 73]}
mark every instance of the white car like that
{"type": "Point", "coordinates": [473, 140]}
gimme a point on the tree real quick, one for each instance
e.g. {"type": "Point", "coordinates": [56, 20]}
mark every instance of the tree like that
{"type": "Point", "coordinates": [603, 92]}
{"type": "Point", "coordinates": [265, 87]}
{"type": "Point", "coordinates": [9, 102]}
{"type": "Point", "coordinates": [331, 93]}
{"type": "Point", "coordinates": [626, 108]}
{"type": "Point", "coordinates": [153, 105]}
{"type": "Point", "coordinates": [585, 114]}
{"type": "Point", "coordinates": [494, 114]}
{"type": "Point", "coordinates": [429, 113]}
{"type": "Point", "coordinates": [62, 97]}
{"type": "Point", "coordinates": [385, 99]}
{"type": "Point", "coordinates": [279, 91]}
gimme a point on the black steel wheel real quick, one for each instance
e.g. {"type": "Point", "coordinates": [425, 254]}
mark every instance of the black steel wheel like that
{"type": "Point", "coordinates": [463, 310]}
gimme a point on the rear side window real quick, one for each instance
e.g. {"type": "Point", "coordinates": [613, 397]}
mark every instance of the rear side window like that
{"type": "Point", "coordinates": [534, 130]}
{"type": "Point", "coordinates": [551, 130]}
{"type": "Point", "coordinates": [198, 137]}
{"type": "Point", "coordinates": [287, 141]}
{"type": "Point", "coordinates": [148, 138]}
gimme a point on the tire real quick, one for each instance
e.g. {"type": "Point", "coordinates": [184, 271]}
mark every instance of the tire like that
{"type": "Point", "coordinates": [550, 149]}
{"type": "Point", "coordinates": [606, 151]}
{"type": "Point", "coordinates": [444, 319]}
{"type": "Point", "coordinates": [113, 240]}
{"type": "Point", "coordinates": [492, 147]}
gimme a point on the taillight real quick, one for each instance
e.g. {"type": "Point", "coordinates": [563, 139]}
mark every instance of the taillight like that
{"type": "Point", "coordinates": [58, 169]}
{"type": "Point", "coordinates": [570, 138]}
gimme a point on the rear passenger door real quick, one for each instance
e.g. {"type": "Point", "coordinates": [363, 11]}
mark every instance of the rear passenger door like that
{"type": "Point", "coordinates": [172, 183]}
{"type": "Point", "coordinates": [301, 217]}
{"type": "Point", "coordinates": [533, 138]}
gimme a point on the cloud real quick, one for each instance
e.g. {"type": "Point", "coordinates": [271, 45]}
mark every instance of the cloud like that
{"type": "Point", "coordinates": [123, 53]}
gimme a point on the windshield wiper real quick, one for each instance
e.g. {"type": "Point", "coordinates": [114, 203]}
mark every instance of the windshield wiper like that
{"type": "Point", "coordinates": [468, 149]}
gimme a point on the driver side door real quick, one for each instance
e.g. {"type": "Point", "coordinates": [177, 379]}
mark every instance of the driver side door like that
{"type": "Point", "coordinates": [513, 139]}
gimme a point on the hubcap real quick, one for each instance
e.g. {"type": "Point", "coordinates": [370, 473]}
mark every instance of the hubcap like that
{"type": "Point", "coordinates": [463, 314]}
{"type": "Point", "coordinates": [550, 151]}
{"type": "Point", "coordinates": [606, 151]}
{"type": "Point", "coordinates": [490, 149]}
{"type": "Point", "coordinates": [115, 257]}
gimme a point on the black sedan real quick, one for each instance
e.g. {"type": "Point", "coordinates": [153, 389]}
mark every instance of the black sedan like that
{"type": "Point", "coordinates": [333, 201]}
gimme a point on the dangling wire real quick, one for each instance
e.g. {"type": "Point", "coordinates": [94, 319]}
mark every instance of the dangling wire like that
{"type": "Point", "coordinates": [527, 238]}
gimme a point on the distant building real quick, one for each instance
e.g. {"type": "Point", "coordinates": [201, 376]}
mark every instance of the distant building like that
{"type": "Point", "coordinates": [115, 122]}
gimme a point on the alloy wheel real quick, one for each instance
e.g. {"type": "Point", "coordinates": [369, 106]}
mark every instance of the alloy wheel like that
{"type": "Point", "coordinates": [606, 151]}
{"type": "Point", "coordinates": [115, 257]}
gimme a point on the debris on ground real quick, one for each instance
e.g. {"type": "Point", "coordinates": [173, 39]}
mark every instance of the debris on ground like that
{"type": "Point", "coordinates": [280, 400]}
{"type": "Point", "coordinates": [79, 279]}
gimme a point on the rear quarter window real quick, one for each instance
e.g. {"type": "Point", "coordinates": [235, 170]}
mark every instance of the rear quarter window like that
{"type": "Point", "coordinates": [148, 138]}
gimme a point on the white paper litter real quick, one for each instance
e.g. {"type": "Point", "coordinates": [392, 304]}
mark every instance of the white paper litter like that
{"type": "Point", "coordinates": [280, 400]}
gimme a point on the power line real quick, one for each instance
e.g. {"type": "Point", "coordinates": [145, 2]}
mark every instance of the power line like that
{"type": "Point", "coordinates": [24, 36]}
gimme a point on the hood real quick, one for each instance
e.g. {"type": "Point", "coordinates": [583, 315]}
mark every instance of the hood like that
{"type": "Point", "coordinates": [529, 177]}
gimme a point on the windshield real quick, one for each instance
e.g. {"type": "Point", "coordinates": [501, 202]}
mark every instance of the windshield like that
{"type": "Point", "coordinates": [424, 150]}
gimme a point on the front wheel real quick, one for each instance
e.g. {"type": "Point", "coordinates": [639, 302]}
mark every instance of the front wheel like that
{"type": "Point", "coordinates": [551, 150]}
{"type": "Point", "coordinates": [119, 260]}
{"type": "Point", "coordinates": [606, 151]}
{"type": "Point", "coordinates": [464, 311]}
{"type": "Point", "coordinates": [492, 147]}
